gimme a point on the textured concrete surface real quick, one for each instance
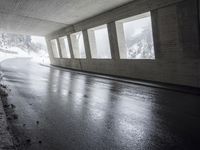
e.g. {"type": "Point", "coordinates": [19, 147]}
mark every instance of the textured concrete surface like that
{"type": "Point", "coordinates": [41, 17]}
{"type": "Point", "coordinates": [176, 40]}
{"type": "Point", "coordinates": [77, 111]}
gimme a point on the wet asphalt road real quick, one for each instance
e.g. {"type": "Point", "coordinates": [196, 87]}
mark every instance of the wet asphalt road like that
{"type": "Point", "coordinates": [81, 112]}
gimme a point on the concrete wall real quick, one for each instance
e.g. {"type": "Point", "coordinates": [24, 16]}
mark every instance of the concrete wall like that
{"type": "Point", "coordinates": [176, 37]}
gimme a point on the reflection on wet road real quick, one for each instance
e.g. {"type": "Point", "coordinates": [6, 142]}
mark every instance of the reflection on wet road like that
{"type": "Point", "coordinates": [77, 111]}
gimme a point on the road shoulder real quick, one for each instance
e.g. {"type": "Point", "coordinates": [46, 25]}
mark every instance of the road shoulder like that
{"type": "Point", "coordinates": [6, 140]}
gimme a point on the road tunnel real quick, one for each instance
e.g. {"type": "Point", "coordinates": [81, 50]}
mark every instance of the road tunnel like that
{"type": "Point", "coordinates": [99, 75]}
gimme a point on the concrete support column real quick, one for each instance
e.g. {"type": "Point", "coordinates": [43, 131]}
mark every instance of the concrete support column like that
{"type": "Point", "coordinates": [199, 19]}
{"type": "Point", "coordinates": [59, 47]}
{"type": "Point", "coordinates": [188, 28]}
{"type": "Point", "coordinates": [70, 47]}
{"type": "Point", "coordinates": [75, 46]}
{"type": "Point", "coordinates": [113, 41]}
{"type": "Point", "coordinates": [155, 27]}
{"type": "Point", "coordinates": [87, 45]}
{"type": "Point", "coordinates": [121, 42]}
{"type": "Point", "coordinates": [92, 43]}
{"type": "Point", "coordinates": [49, 48]}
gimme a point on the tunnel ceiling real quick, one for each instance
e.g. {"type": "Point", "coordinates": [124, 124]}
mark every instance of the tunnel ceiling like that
{"type": "Point", "coordinates": [40, 17]}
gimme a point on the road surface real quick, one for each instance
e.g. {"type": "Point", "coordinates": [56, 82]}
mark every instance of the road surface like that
{"type": "Point", "coordinates": [67, 110]}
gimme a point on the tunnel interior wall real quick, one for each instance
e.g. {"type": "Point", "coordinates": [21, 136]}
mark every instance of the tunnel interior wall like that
{"type": "Point", "coordinates": [176, 35]}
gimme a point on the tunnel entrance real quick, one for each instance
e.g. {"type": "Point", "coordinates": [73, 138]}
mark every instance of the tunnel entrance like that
{"type": "Point", "coordinates": [23, 46]}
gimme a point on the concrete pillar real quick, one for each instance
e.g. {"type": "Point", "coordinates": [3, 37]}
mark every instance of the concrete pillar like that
{"type": "Point", "coordinates": [59, 48]}
{"type": "Point", "coordinates": [92, 43]}
{"type": "Point", "coordinates": [188, 28]}
{"type": "Point", "coordinates": [49, 48]}
{"type": "Point", "coordinates": [199, 11]}
{"type": "Point", "coordinates": [113, 40]}
{"type": "Point", "coordinates": [87, 45]}
{"type": "Point", "coordinates": [199, 19]}
{"type": "Point", "coordinates": [70, 47]}
{"type": "Point", "coordinates": [75, 46]}
{"type": "Point", "coordinates": [154, 20]}
{"type": "Point", "coordinates": [121, 41]}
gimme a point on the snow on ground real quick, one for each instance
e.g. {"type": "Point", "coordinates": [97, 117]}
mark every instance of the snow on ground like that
{"type": "Point", "coordinates": [15, 52]}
